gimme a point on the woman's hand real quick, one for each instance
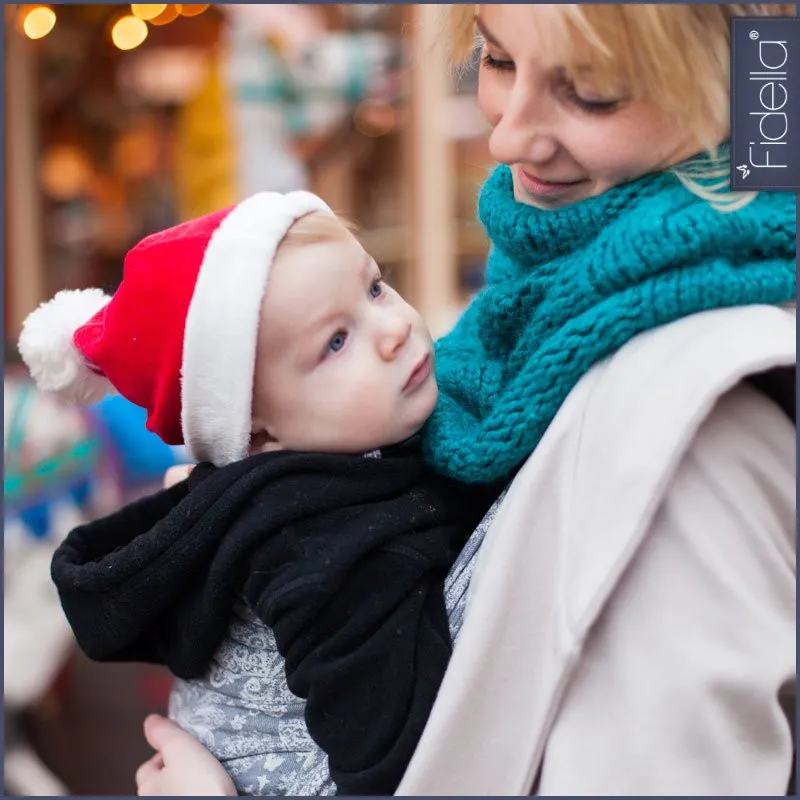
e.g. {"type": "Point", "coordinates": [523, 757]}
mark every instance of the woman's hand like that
{"type": "Point", "coordinates": [181, 766]}
{"type": "Point", "coordinates": [176, 474]}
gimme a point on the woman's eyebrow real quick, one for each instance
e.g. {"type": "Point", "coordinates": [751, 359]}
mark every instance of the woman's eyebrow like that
{"type": "Point", "coordinates": [485, 33]}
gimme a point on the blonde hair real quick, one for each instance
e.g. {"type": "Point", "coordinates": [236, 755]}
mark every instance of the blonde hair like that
{"type": "Point", "coordinates": [675, 55]}
{"type": "Point", "coordinates": [318, 228]}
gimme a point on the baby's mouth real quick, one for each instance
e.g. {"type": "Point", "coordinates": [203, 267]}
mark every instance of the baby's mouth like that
{"type": "Point", "coordinates": [421, 371]}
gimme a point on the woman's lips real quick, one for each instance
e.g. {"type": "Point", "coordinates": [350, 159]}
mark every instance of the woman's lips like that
{"type": "Point", "coordinates": [539, 188]}
{"type": "Point", "coordinates": [420, 373]}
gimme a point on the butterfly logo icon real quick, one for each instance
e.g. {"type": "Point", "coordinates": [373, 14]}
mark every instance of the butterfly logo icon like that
{"type": "Point", "coordinates": [744, 170]}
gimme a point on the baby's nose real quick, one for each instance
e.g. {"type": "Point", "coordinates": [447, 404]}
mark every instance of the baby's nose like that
{"type": "Point", "coordinates": [393, 336]}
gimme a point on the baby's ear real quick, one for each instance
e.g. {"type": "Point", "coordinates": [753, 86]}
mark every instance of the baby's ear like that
{"type": "Point", "coordinates": [262, 441]}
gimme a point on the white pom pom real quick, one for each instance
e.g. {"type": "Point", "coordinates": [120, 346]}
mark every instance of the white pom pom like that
{"type": "Point", "coordinates": [47, 348]}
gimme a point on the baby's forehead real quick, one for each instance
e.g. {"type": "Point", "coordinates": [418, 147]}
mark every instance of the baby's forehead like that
{"type": "Point", "coordinates": [321, 266]}
{"type": "Point", "coordinates": [311, 283]}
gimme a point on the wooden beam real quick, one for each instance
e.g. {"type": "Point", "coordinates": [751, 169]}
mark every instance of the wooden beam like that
{"type": "Point", "coordinates": [24, 267]}
{"type": "Point", "coordinates": [432, 202]}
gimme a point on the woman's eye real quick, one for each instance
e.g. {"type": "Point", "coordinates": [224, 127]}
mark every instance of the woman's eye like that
{"type": "Point", "coordinates": [336, 342]}
{"type": "Point", "coordinates": [502, 65]}
{"type": "Point", "coordinates": [376, 288]}
{"type": "Point", "coordinates": [590, 106]}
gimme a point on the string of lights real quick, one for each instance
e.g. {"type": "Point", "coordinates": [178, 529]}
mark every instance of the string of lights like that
{"type": "Point", "coordinates": [127, 31]}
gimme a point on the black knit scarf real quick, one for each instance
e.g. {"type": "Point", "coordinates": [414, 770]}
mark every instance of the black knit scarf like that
{"type": "Point", "coordinates": [344, 557]}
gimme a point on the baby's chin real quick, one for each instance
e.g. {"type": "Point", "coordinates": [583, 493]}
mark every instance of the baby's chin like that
{"type": "Point", "coordinates": [396, 436]}
{"type": "Point", "coordinates": [389, 439]}
{"type": "Point", "coordinates": [411, 430]}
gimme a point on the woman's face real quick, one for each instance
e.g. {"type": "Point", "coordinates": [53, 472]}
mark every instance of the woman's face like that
{"type": "Point", "coordinates": [563, 140]}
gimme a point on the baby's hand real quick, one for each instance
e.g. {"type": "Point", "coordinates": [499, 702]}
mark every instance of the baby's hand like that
{"type": "Point", "coordinates": [181, 766]}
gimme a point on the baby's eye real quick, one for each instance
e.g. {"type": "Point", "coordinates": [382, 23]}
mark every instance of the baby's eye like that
{"type": "Point", "coordinates": [336, 343]}
{"type": "Point", "coordinates": [376, 289]}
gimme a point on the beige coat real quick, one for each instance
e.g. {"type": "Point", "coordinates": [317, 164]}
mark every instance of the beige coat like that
{"type": "Point", "coordinates": [631, 623]}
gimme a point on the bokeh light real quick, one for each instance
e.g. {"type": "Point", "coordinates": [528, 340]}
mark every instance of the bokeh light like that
{"type": "Point", "coordinates": [169, 14]}
{"type": "Point", "coordinates": [147, 10]}
{"type": "Point", "coordinates": [192, 9]}
{"type": "Point", "coordinates": [65, 171]}
{"type": "Point", "coordinates": [38, 21]}
{"type": "Point", "coordinates": [128, 32]}
{"type": "Point", "coordinates": [374, 117]}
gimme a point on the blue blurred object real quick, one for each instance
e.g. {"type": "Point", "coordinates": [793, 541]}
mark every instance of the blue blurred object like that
{"type": "Point", "coordinates": [142, 456]}
{"type": "Point", "coordinates": [63, 464]}
{"type": "Point", "coordinates": [52, 455]}
{"type": "Point", "coordinates": [81, 493]}
{"type": "Point", "coordinates": [37, 519]}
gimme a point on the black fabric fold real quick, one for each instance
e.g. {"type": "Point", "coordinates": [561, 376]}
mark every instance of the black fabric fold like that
{"type": "Point", "coordinates": [344, 557]}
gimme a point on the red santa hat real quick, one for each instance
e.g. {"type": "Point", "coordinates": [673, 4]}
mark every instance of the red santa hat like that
{"type": "Point", "coordinates": [179, 336]}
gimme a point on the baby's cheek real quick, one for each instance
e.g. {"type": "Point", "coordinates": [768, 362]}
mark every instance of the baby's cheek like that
{"type": "Point", "coordinates": [349, 418]}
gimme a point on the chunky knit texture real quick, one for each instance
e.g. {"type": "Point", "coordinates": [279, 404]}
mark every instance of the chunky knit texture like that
{"type": "Point", "coordinates": [569, 287]}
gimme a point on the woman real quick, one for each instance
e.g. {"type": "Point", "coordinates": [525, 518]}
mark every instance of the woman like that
{"type": "Point", "coordinates": [631, 625]}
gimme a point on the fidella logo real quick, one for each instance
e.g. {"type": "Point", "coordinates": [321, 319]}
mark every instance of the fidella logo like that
{"type": "Point", "coordinates": [773, 124]}
{"type": "Point", "coordinates": [765, 103]}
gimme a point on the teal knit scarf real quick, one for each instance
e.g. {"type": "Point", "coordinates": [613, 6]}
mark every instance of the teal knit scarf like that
{"type": "Point", "coordinates": [568, 287]}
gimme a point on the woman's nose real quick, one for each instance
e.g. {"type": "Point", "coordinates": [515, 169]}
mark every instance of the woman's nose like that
{"type": "Point", "coordinates": [516, 145]}
{"type": "Point", "coordinates": [522, 134]}
{"type": "Point", "coordinates": [393, 335]}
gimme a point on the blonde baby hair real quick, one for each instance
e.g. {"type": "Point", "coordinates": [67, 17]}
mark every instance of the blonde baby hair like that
{"type": "Point", "coordinates": [318, 228]}
{"type": "Point", "coordinates": [676, 55]}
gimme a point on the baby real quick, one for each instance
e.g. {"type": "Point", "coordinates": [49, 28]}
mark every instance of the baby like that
{"type": "Point", "coordinates": [305, 557]}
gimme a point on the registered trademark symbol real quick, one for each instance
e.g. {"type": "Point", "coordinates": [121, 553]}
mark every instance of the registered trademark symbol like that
{"type": "Point", "coordinates": [754, 35]}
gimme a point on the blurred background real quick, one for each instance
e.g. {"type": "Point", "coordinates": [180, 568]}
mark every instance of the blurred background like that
{"type": "Point", "coordinates": [125, 119]}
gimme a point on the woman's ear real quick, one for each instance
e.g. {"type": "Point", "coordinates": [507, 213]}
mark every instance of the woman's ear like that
{"type": "Point", "coordinates": [261, 440]}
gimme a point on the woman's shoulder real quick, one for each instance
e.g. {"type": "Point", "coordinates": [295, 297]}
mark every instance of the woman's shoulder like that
{"type": "Point", "coordinates": [630, 419]}
{"type": "Point", "coordinates": [747, 440]}
{"type": "Point", "coordinates": [706, 352]}
{"type": "Point", "coordinates": [664, 382]}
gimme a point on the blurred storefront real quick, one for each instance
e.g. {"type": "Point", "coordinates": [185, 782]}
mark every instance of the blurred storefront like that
{"type": "Point", "coordinates": [125, 119]}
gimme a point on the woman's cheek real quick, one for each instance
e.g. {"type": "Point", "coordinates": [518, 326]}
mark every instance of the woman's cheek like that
{"type": "Point", "coordinates": [600, 147]}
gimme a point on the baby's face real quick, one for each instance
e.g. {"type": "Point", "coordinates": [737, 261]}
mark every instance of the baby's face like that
{"type": "Point", "coordinates": [343, 364]}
